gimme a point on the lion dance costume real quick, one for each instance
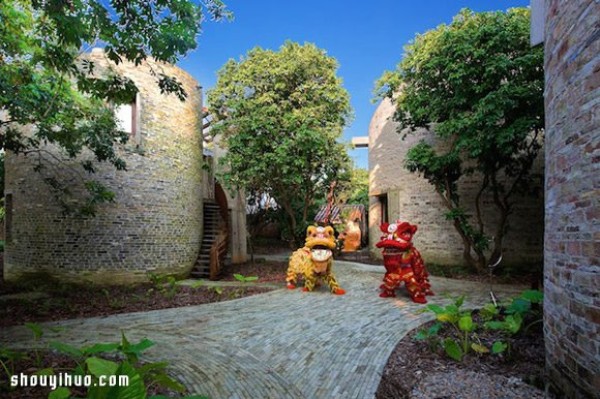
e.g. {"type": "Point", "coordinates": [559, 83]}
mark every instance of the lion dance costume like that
{"type": "Point", "coordinates": [314, 261]}
{"type": "Point", "coordinates": [403, 263]}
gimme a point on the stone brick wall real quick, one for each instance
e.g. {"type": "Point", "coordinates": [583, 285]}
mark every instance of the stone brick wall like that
{"type": "Point", "coordinates": [155, 223]}
{"type": "Point", "coordinates": [411, 198]}
{"type": "Point", "coordinates": [572, 234]}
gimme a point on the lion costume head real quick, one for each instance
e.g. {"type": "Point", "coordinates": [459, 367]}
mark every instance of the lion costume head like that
{"type": "Point", "coordinates": [321, 241]}
{"type": "Point", "coordinates": [396, 236]}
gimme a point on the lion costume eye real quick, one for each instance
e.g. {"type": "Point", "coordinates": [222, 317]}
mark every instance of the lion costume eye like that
{"type": "Point", "coordinates": [392, 228]}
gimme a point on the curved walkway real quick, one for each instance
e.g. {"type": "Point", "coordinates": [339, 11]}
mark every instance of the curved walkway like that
{"type": "Point", "coordinates": [282, 344]}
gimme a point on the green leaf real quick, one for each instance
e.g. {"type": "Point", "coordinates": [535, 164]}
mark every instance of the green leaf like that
{"type": "Point", "coordinates": [100, 348]}
{"type": "Point", "coordinates": [459, 302]}
{"type": "Point", "coordinates": [434, 329]}
{"type": "Point", "coordinates": [453, 349]}
{"type": "Point", "coordinates": [533, 296]}
{"type": "Point", "coordinates": [448, 317]}
{"type": "Point", "coordinates": [141, 346]}
{"type": "Point", "coordinates": [513, 323]}
{"type": "Point", "coordinates": [46, 371]}
{"type": "Point", "coordinates": [165, 381]}
{"type": "Point", "coordinates": [453, 310]}
{"type": "Point", "coordinates": [197, 284]}
{"type": "Point", "coordinates": [135, 390]}
{"type": "Point", "coordinates": [421, 335]}
{"type": "Point", "coordinates": [101, 367]}
{"type": "Point", "coordinates": [499, 347]}
{"type": "Point", "coordinates": [66, 349]}
{"type": "Point", "coordinates": [465, 323]}
{"type": "Point", "coordinates": [36, 329]}
{"type": "Point", "coordinates": [479, 348]}
{"type": "Point", "coordinates": [147, 368]}
{"type": "Point", "coordinates": [489, 311]}
{"type": "Point", "coordinates": [518, 305]}
{"type": "Point", "coordinates": [60, 393]}
{"type": "Point", "coordinates": [436, 309]}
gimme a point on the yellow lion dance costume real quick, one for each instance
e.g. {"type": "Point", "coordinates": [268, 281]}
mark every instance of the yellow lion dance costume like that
{"type": "Point", "coordinates": [314, 261]}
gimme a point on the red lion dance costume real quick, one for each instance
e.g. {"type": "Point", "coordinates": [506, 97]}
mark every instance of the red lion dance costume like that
{"type": "Point", "coordinates": [403, 263]}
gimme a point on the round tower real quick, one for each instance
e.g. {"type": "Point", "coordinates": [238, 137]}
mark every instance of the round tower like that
{"type": "Point", "coordinates": [155, 223]}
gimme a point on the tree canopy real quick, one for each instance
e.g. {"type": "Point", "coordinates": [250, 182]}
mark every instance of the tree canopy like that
{"type": "Point", "coordinates": [44, 84]}
{"type": "Point", "coordinates": [478, 85]}
{"type": "Point", "coordinates": [281, 114]}
{"type": "Point", "coordinates": [356, 190]}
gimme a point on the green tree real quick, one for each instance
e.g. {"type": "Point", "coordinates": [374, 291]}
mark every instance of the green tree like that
{"type": "Point", "coordinates": [478, 84]}
{"type": "Point", "coordinates": [45, 84]}
{"type": "Point", "coordinates": [356, 190]}
{"type": "Point", "coordinates": [280, 114]}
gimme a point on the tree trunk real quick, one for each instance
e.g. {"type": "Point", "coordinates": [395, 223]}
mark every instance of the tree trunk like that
{"type": "Point", "coordinates": [251, 248]}
{"type": "Point", "coordinates": [293, 223]}
{"type": "Point", "coordinates": [467, 242]}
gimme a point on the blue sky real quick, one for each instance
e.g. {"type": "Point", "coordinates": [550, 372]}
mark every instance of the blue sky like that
{"type": "Point", "coordinates": [366, 38]}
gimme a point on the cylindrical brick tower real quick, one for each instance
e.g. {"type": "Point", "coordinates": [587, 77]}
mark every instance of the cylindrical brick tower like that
{"type": "Point", "coordinates": [155, 224]}
{"type": "Point", "coordinates": [572, 227]}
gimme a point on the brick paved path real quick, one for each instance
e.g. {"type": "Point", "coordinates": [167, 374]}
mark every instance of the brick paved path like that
{"type": "Point", "coordinates": [282, 344]}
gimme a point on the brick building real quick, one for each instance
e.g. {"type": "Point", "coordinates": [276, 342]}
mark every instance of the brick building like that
{"type": "Point", "coordinates": [156, 223]}
{"type": "Point", "coordinates": [571, 34]}
{"type": "Point", "coordinates": [396, 193]}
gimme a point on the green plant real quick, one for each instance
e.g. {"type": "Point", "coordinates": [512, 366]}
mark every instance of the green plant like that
{"type": "Point", "coordinates": [462, 322]}
{"type": "Point", "coordinates": [293, 119]}
{"type": "Point", "coordinates": [244, 279]}
{"type": "Point", "coordinates": [113, 303]}
{"type": "Point", "coordinates": [8, 357]}
{"type": "Point", "coordinates": [164, 283]}
{"type": "Point", "coordinates": [430, 335]}
{"type": "Point", "coordinates": [217, 290]}
{"type": "Point", "coordinates": [510, 319]}
{"type": "Point", "coordinates": [197, 284]}
{"type": "Point", "coordinates": [120, 359]}
{"type": "Point", "coordinates": [37, 331]}
{"type": "Point", "coordinates": [238, 293]}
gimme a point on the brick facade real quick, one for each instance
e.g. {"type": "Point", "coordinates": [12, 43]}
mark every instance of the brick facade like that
{"type": "Point", "coordinates": [155, 223]}
{"type": "Point", "coordinates": [572, 235]}
{"type": "Point", "coordinates": [411, 198]}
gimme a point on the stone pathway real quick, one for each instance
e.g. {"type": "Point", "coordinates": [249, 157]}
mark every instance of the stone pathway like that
{"type": "Point", "coordinates": [282, 344]}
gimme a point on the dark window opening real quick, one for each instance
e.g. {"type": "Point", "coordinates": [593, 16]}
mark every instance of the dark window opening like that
{"type": "Point", "coordinates": [383, 202]}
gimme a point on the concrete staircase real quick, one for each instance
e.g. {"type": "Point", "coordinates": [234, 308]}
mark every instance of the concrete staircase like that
{"type": "Point", "coordinates": [213, 224]}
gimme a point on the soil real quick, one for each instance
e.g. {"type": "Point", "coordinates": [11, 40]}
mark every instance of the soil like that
{"type": "Point", "coordinates": [46, 300]}
{"type": "Point", "coordinates": [415, 364]}
{"type": "Point", "coordinates": [266, 271]}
